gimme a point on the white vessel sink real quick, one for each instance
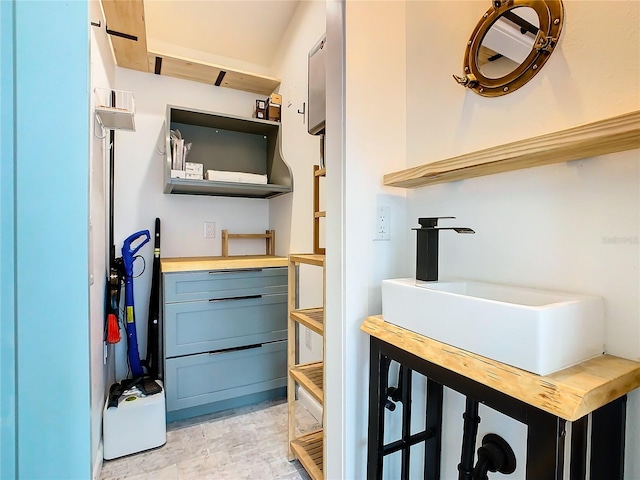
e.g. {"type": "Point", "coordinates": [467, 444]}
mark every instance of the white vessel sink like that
{"type": "Point", "coordinates": [535, 330]}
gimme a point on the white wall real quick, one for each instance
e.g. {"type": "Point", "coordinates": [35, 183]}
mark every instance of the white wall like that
{"type": "Point", "coordinates": [102, 76]}
{"type": "Point", "coordinates": [375, 142]}
{"type": "Point", "coordinates": [292, 215]}
{"type": "Point", "coordinates": [545, 227]}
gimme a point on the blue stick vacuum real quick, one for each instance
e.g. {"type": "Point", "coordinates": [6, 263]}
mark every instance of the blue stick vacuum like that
{"type": "Point", "coordinates": [128, 257]}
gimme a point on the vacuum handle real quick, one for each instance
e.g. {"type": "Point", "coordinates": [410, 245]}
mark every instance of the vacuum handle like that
{"type": "Point", "coordinates": [132, 238]}
{"type": "Point", "coordinates": [128, 254]}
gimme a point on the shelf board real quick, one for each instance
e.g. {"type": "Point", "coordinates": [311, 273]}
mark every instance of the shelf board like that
{"type": "Point", "coordinates": [127, 17]}
{"type": "Point", "coordinates": [320, 214]}
{"type": "Point", "coordinates": [312, 318]}
{"type": "Point", "coordinates": [310, 376]}
{"type": "Point", "coordinates": [224, 189]}
{"type": "Point", "coordinates": [223, 121]}
{"type": "Point", "coordinates": [611, 135]}
{"type": "Point", "coordinates": [309, 450]}
{"type": "Point", "coordinates": [116, 119]}
{"type": "Point", "coordinates": [220, 76]}
{"type": "Point", "coordinates": [320, 172]}
{"type": "Point", "coordinates": [307, 258]}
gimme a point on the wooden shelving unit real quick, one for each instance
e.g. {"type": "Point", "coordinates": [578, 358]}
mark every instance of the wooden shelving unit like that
{"type": "Point", "coordinates": [317, 213]}
{"type": "Point", "coordinates": [611, 135]}
{"type": "Point", "coordinates": [307, 448]}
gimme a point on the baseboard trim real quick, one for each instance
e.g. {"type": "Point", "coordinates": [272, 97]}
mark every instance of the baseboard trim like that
{"type": "Point", "coordinates": [97, 464]}
{"type": "Point", "coordinates": [308, 402]}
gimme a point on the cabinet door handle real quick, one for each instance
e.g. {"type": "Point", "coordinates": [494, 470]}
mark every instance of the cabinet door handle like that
{"type": "Point", "coordinates": [236, 349]}
{"type": "Point", "coordinates": [226, 299]}
{"type": "Point", "coordinates": [234, 270]}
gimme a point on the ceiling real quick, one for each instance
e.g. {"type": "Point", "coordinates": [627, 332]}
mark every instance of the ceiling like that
{"type": "Point", "coordinates": [244, 30]}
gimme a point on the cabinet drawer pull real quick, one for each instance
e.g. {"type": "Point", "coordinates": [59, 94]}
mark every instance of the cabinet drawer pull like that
{"type": "Point", "coordinates": [235, 270]}
{"type": "Point", "coordinates": [246, 297]}
{"type": "Point", "coordinates": [235, 349]}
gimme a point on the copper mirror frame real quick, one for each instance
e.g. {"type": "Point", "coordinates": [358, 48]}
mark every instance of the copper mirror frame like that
{"type": "Point", "coordinates": [550, 18]}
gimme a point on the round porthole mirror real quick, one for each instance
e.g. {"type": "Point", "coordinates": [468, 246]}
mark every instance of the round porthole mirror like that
{"type": "Point", "coordinates": [510, 44]}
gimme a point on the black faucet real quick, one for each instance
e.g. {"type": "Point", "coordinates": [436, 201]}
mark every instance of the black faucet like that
{"type": "Point", "coordinates": [427, 247]}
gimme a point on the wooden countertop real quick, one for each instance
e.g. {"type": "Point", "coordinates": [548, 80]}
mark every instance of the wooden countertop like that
{"type": "Point", "coordinates": [189, 264]}
{"type": "Point", "coordinates": [570, 393]}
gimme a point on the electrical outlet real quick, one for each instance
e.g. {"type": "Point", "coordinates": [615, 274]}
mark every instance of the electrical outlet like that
{"type": "Point", "coordinates": [209, 229]}
{"type": "Point", "coordinates": [383, 223]}
{"type": "Point", "coordinates": [307, 338]}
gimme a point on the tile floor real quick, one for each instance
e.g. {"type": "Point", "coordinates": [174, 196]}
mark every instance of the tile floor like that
{"type": "Point", "coordinates": [244, 443]}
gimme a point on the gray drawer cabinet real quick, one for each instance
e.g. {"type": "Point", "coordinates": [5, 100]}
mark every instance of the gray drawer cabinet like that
{"type": "Point", "coordinates": [224, 338]}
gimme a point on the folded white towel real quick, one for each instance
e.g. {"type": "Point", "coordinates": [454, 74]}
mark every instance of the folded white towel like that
{"type": "Point", "coordinates": [238, 177]}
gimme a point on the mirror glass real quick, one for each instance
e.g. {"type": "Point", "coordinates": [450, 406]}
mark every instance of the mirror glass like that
{"type": "Point", "coordinates": [508, 42]}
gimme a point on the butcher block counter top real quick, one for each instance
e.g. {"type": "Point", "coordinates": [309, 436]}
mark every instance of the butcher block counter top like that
{"type": "Point", "coordinates": [190, 264]}
{"type": "Point", "coordinates": [569, 394]}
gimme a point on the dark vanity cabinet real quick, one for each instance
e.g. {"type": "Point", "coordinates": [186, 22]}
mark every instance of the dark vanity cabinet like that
{"type": "Point", "coordinates": [577, 413]}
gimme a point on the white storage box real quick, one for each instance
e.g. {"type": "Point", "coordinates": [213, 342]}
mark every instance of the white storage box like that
{"type": "Point", "coordinates": [238, 177]}
{"type": "Point", "coordinates": [191, 167]}
{"type": "Point", "coordinates": [137, 424]}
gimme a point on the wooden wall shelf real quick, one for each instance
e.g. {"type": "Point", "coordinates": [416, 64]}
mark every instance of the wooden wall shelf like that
{"type": "Point", "coordinates": [198, 71]}
{"type": "Point", "coordinates": [126, 19]}
{"type": "Point", "coordinates": [615, 134]}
